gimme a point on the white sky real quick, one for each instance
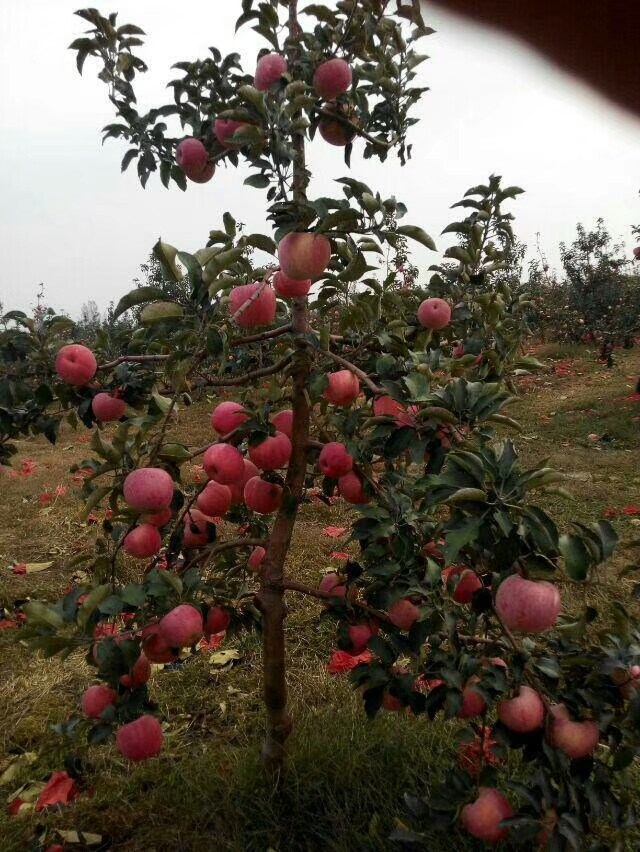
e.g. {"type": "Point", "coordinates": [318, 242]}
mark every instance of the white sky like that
{"type": "Point", "coordinates": [70, 219]}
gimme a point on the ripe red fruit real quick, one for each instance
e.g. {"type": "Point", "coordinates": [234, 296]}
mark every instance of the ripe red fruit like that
{"type": "Point", "coordinates": [148, 489]}
{"type": "Point", "coordinates": [289, 288]}
{"type": "Point", "coordinates": [157, 519]}
{"type": "Point", "coordinates": [140, 673]}
{"type": "Point", "coordinates": [404, 614]}
{"type": "Point", "coordinates": [107, 408]}
{"type": "Point", "coordinates": [473, 704]}
{"type": "Point", "coordinates": [334, 460]}
{"type": "Point", "coordinates": [140, 739]}
{"type": "Point", "coordinates": [182, 626]}
{"type": "Point", "coordinates": [155, 647]}
{"type": "Point", "coordinates": [269, 70]}
{"type": "Point", "coordinates": [272, 453]}
{"type": "Point", "coordinates": [226, 127]}
{"type": "Point", "coordinates": [96, 699]}
{"type": "Point", "coordinates": [390, 702]}
{"type": "Point", "coordinates": [527, 605]}
{"type": "Point", "coordinates": [343, 388]}
{"type": "Point", "coordinates": [260, 311]}
{"type": "Point", "coordinates": [350, 487]}
{"type": "Point", "coordinates": [224, 463]}
{"type": "Point", "coordinates": [227, 416]}
{"type": "Point", "coordinates": [359, 634]}
{"type": "Point", "coordinates": [193, 159]}
{"type": "Point", "coordinates": [636, 252]}
{"type": "Point", "coordinates": [214, 499]}
{"type": "Point", "coordinates": [524, 713]}
{"type": "Point", "coordinates": [76, 364]}
{"type": "Point", "coordinates": [332, 78]}
{"type": "Point", "coordinates": [434, 313]}
{"type": "Point", "coordinates": [262, 496]}
{"type": "Point", "coordinates": [482, 818]}
{"type": "Point", "coordinates": [468, 583]}
{"type": "Point", "coordinates": [218, 619]}
{"type": "Point", "coordinates": [334, 131]}
{"type": "Point", "coordinates": [237, 488]}
{"type": "Point", "coordinates": [255, 558]}
{"type": "Point", "coordinates": [283, 421]}
{"type": "Point", "coordinates": [142, 542]}
{"type": "Point", "coordinates": [304, 255]}
{"type": "Point", "coordinates": [196, 533]}
{"type": "Point", "coordinates": [457, 351]}
{"type": "Point", "coordinates": [575, 739]}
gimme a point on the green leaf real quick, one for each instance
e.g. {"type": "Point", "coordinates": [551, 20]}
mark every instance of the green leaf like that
{"type": "Point", "coordinates": [174, 452]}
{"type": "Point", "coordinates": [417, 234]}
{"type": "Point", "coordinates": [139, 296]}
{"type": "Point", "coordinates": [577, 560]}
{"type": "Point", "coordinates": [456, 537]}
{"type": "Point", "coordinates": [418, 386]}
{"type": "Point", "coordinates": [259, 181]}
{"type": "Point", "coordinates": [92, 602]}
{"type": "Point", "coordinates": [166, 254]}
{"type": "Point", "coordinates": [160, 311]}
{"type": "Point", "coordinates": [467, 495]}
{"type": "Point", "coordinates": [608, 537]}
{"type": "Point", "coordinates": [40, 613]}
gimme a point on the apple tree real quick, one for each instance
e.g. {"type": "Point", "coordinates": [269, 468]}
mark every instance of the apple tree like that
{"type": "Point", "coordinates": [459, 602]}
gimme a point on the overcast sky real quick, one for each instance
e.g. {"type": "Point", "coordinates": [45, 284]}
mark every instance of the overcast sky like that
{"type": "Point", "coordinates": [68, 218]}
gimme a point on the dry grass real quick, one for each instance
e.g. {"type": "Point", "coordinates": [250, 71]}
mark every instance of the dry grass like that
{"type": "Point", "coordinates": [346, 775]}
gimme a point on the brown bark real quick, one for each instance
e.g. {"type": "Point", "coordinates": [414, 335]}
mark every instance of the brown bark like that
{"type": "Point", "coordinates": [270, 599]}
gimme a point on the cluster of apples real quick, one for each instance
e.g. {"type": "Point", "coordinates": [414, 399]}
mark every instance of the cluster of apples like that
{"type": "Point", "coordinates": [181, 627]}
{"type": "Point", "coordinates": [76, 364]}
{"type": "Point", "coordinates": [332, 78]}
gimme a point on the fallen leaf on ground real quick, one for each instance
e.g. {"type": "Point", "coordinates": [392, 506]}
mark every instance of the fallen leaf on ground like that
{"type": "Point", "coordinates": [334, 532]}
{"type": "Point", "coordinates": [60, 789]}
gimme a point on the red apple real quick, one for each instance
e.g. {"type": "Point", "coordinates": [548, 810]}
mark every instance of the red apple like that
{"type": "Point", "coordinates": [224, 463]}
{"type": "Point", "coordinates": [385, 406]}
{"type": "Point", "coordinates": [157, 519]}
{"type": "Point", "coordinates": [359, 634]}
{"type": "Point", "coordinates": [107, 408]}
{"type": "Point", "coordinates": [334, 131]}
{"type": "Point", "coordinates": [182, 626]}
{"type": "Point", "coordinates": [269, 70]}
{"type": "Point", "coordinates": [218, 619]}
{"type": "Point", "coordinates": [524, 713]}
{"type": "Point", "coordinates": [226, 127]}
{"type": "Point", "coordinates": [237, 488]}
{"type": "Point", "coordinates": [636, 252]}
{"type": "Point", "coordinates": [332, 78]}
{"type": "Point", "coordinates": [196, 532]}
{"type": "Point", "coordinates": [140, 739]}
{"type": "Point", "coordinates": [76, 364]}
{"type": "Point", "coordinates": [468, 583]}
{"type": "Point", "coordinates": [262, 496]}
{"type": "Point", "coordinates": [404, 614]}
{"type": "Point", "coordinates": [482, 818]}
{"type": "Point", "coordinates": [575, 739]}
{"type": "Point", "coordinates": [289, 288]}
{"type": "Point", "coordinates": [142, 542]}
{"type": "Point", "coordinates": [457, 351]}
{"type": "Point", "coordinates": [332, 583]}
{"type": "Point", "coordinates": [473, 704]}
{"type": "Point", "coordinates": [148, 489]}
{"type": "Point", "coordinates": [155, 648]}
{"type": "Point", "coordinates": [350, 487]}
{"type": "Point", "coordinates": [193, 158]}
{"type": "Point", "coordinates": [390, 702]}
{"type": "Point", "coordinates": [227, 416]}
{"type": "Point", "coordinates": [214, 499]}
{"type": "Point", "coordinates": [343, 388]}
{"type": "Point", "coordinates": [304, 255]}
{"type": "Point", "coordinates": [255, 559]}
{"type": "Point", "coordinates": [434, 313]}
{"type": "Point", "coordinates": [527, 605]}
{"type": "Point", "coordinates": [283, 421]}
{"type": "Point", "coordinates": [96, 699]}
{"type": "Point", "coordinates": [272, 453]}
{"type": "Point", "coordinates": [140, 673]}
{"type": "Point", "coordinates": [261, 308]}
{"type": "Point", "coordinates": [334, 460]}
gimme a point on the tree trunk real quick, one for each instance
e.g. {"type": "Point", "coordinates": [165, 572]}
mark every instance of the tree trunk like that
{"type": "Point", "coordinates": [270, 600]}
